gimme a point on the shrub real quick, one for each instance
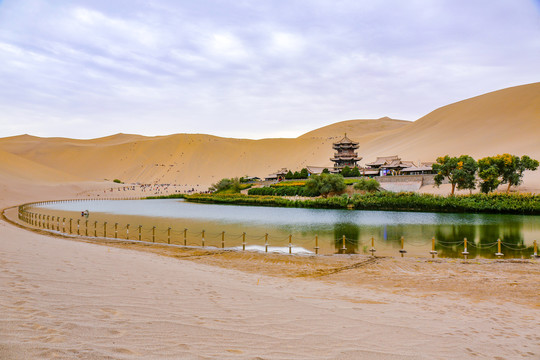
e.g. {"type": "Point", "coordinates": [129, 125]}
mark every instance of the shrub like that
{"type": "Point", "coordinates": [232, 185]}
{"type": "Point", "coordinates": [326, 184]}
{"type": "Point", "coordinates": [370, 185]}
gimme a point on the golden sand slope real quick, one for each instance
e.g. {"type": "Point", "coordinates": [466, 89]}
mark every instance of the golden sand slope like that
{"type": "Point", "coordinates": [507, 120]}
{"type": "Point", "coordinates": [181, 158]}
{"type": "Point", "coordinates": [359, 130]}
{"type": "Point", "coordinates": [503, 121]}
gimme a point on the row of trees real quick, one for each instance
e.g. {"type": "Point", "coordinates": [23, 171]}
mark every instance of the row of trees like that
{"type": "Point", "coordinates": [492, 171]}
{"type": "Point", "coordinates": [302, 174]}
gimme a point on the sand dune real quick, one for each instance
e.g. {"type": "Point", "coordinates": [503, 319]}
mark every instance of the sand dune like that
{"type": "Point", "coordinates": [503, 121]}
{"type": "Point", "coordinates": [357, 129]}
{"type": "Point", "coordinates": [507, 120]}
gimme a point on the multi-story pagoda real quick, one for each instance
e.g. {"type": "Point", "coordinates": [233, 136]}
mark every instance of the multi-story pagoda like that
{"type": "Point", "coordinates": [345, 155]}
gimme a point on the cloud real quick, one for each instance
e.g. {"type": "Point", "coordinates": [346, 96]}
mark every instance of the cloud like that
{"type": "Point", "coordinates": [251, 69]}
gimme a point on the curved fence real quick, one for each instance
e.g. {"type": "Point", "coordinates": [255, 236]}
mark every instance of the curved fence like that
{"type": "Point", "coordinates": [292, 244]}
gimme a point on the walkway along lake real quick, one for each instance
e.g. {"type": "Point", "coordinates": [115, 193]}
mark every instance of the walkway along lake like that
{"type": "Point", "coordinates": [516, 232]}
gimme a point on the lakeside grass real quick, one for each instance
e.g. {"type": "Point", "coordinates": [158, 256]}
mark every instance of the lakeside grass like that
{"type": "Point", "coordinates": [522, 204]}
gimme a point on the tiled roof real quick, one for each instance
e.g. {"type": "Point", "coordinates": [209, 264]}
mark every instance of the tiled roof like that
{"type": "Point", "coordinates": [383, 160]}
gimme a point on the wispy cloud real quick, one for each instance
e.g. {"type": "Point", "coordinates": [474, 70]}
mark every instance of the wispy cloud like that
{"type": "Point", "coordinates": [251, 68]}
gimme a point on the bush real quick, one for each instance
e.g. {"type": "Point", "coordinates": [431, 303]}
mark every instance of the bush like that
{"type": "Point", "coordinates": [370, 185]}
{"type": "Point", "coordinates": [326, 184]}
{"type": "Point", "coordinates": [232, 185]}
{"type": "Point", "coordinates": [117, 181]}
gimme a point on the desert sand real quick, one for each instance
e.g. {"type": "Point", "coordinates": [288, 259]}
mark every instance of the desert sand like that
{"type": "Point", "coordinates": [62, 298]}
{"type": "Point", "coordinates": [67, 298]}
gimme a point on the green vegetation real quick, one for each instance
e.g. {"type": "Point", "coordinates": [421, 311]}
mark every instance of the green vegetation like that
{"type": "Point", "coordinates": [370, 185]}
{"type": "Point", "coordinates": [323, 184]}
{"type": "Point", "coordinates": [525, 204]}
{"type": "Point", "coordinates": [459, 171]}
{"type": "Point", "coordinates": [289, 183]}
{"type": "Point", "coordinates": [230, 186]}
{"type": "Point", "coordinates": [326, 184]}
{"type": "Point", "coordinates": [283, 191]}
{"type": "Point", "coordinates": [348, 172]}
{"type": "Point", "coordinates": [302, 174]}
{"type": "Point", "coordinates": [503, 169]}
{"type": "Point", "coordinates": [118, 181]}
{"type": "Point", "coordinates": [492, 170]}
{"type": "Point", "coordinates": [172, 196]}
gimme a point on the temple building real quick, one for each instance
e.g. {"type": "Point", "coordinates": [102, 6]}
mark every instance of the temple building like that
{"type": "Point", "coordinates": [346, 154]}
{"type": "Point", "coordinates": [393, 165]}
{"type": "Point", "coordinates": [278, 175]}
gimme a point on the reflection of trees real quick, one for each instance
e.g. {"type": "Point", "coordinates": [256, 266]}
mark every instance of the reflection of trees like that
{"type": "Point", "coordinates": [511, 235]}
{"type": "Point", "coordinates": [352, 235]}
{"type": "Point", "coordinates": [394, 234]}
{"type": "Point", "coordinates": [488, 234]}
{"type": "Point", "coordinates": [513, 241]}
{"type": "Point", "coordinates": [449, 240]}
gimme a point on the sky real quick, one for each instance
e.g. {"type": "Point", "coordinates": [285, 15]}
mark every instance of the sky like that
{"type": "Point", "coordinates": [251, 68]}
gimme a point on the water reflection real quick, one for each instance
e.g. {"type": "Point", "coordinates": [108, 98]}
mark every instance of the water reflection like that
{"type": "Point", "coordinates": [352, 238]}
{"type": "Point", "coordinates": [449, 239]}
{"type": "Point", "coordinates": [386, 227]}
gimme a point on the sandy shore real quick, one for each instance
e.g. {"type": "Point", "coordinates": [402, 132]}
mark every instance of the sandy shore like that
{"type": "Point", "coordinates": [62, 298]}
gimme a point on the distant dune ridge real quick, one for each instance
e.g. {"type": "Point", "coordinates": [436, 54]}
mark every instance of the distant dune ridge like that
{"type": "Point", "coordinates": [507, 120]}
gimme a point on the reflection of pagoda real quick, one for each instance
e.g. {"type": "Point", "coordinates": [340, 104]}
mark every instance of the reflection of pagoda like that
{"type": "Point", "coordinates": [345, 156]}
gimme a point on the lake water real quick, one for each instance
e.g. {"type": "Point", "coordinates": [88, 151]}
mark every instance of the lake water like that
{"type": "Point", "coordinates": [516, 232]}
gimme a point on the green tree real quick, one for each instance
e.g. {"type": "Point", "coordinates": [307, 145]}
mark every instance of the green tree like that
{"type": "Point", "coordinates": [326, 171]}
{"type": "Point", "coordinates": [289, 175]}
{"type": "Point", "coordinates": [326, 183]}
{"type": "Point", "coordinates": [370, 185]}
{"type": "Point", "coordinates": [355, 172]}
{"type": "Point", "coordinates": [460, 171]}
{"type": "Point", "coordinates": [346, 171]}
{"type": "Point", "coordinates": [504, 169]}
{"type": "Point", "coordinates": [304, 173]}
{"type": "Point", "coordinates": [230, 185]}
{"type": "Point", "coordinates": [489, 171]}
{"type": "Point", "coordinates": [515, 176]}
{"type": "Point", "coordinates": [296, 175]}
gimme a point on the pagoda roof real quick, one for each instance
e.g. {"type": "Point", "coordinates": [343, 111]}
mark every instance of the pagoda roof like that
{"type": "Point", "coordinates": [345, 141]}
